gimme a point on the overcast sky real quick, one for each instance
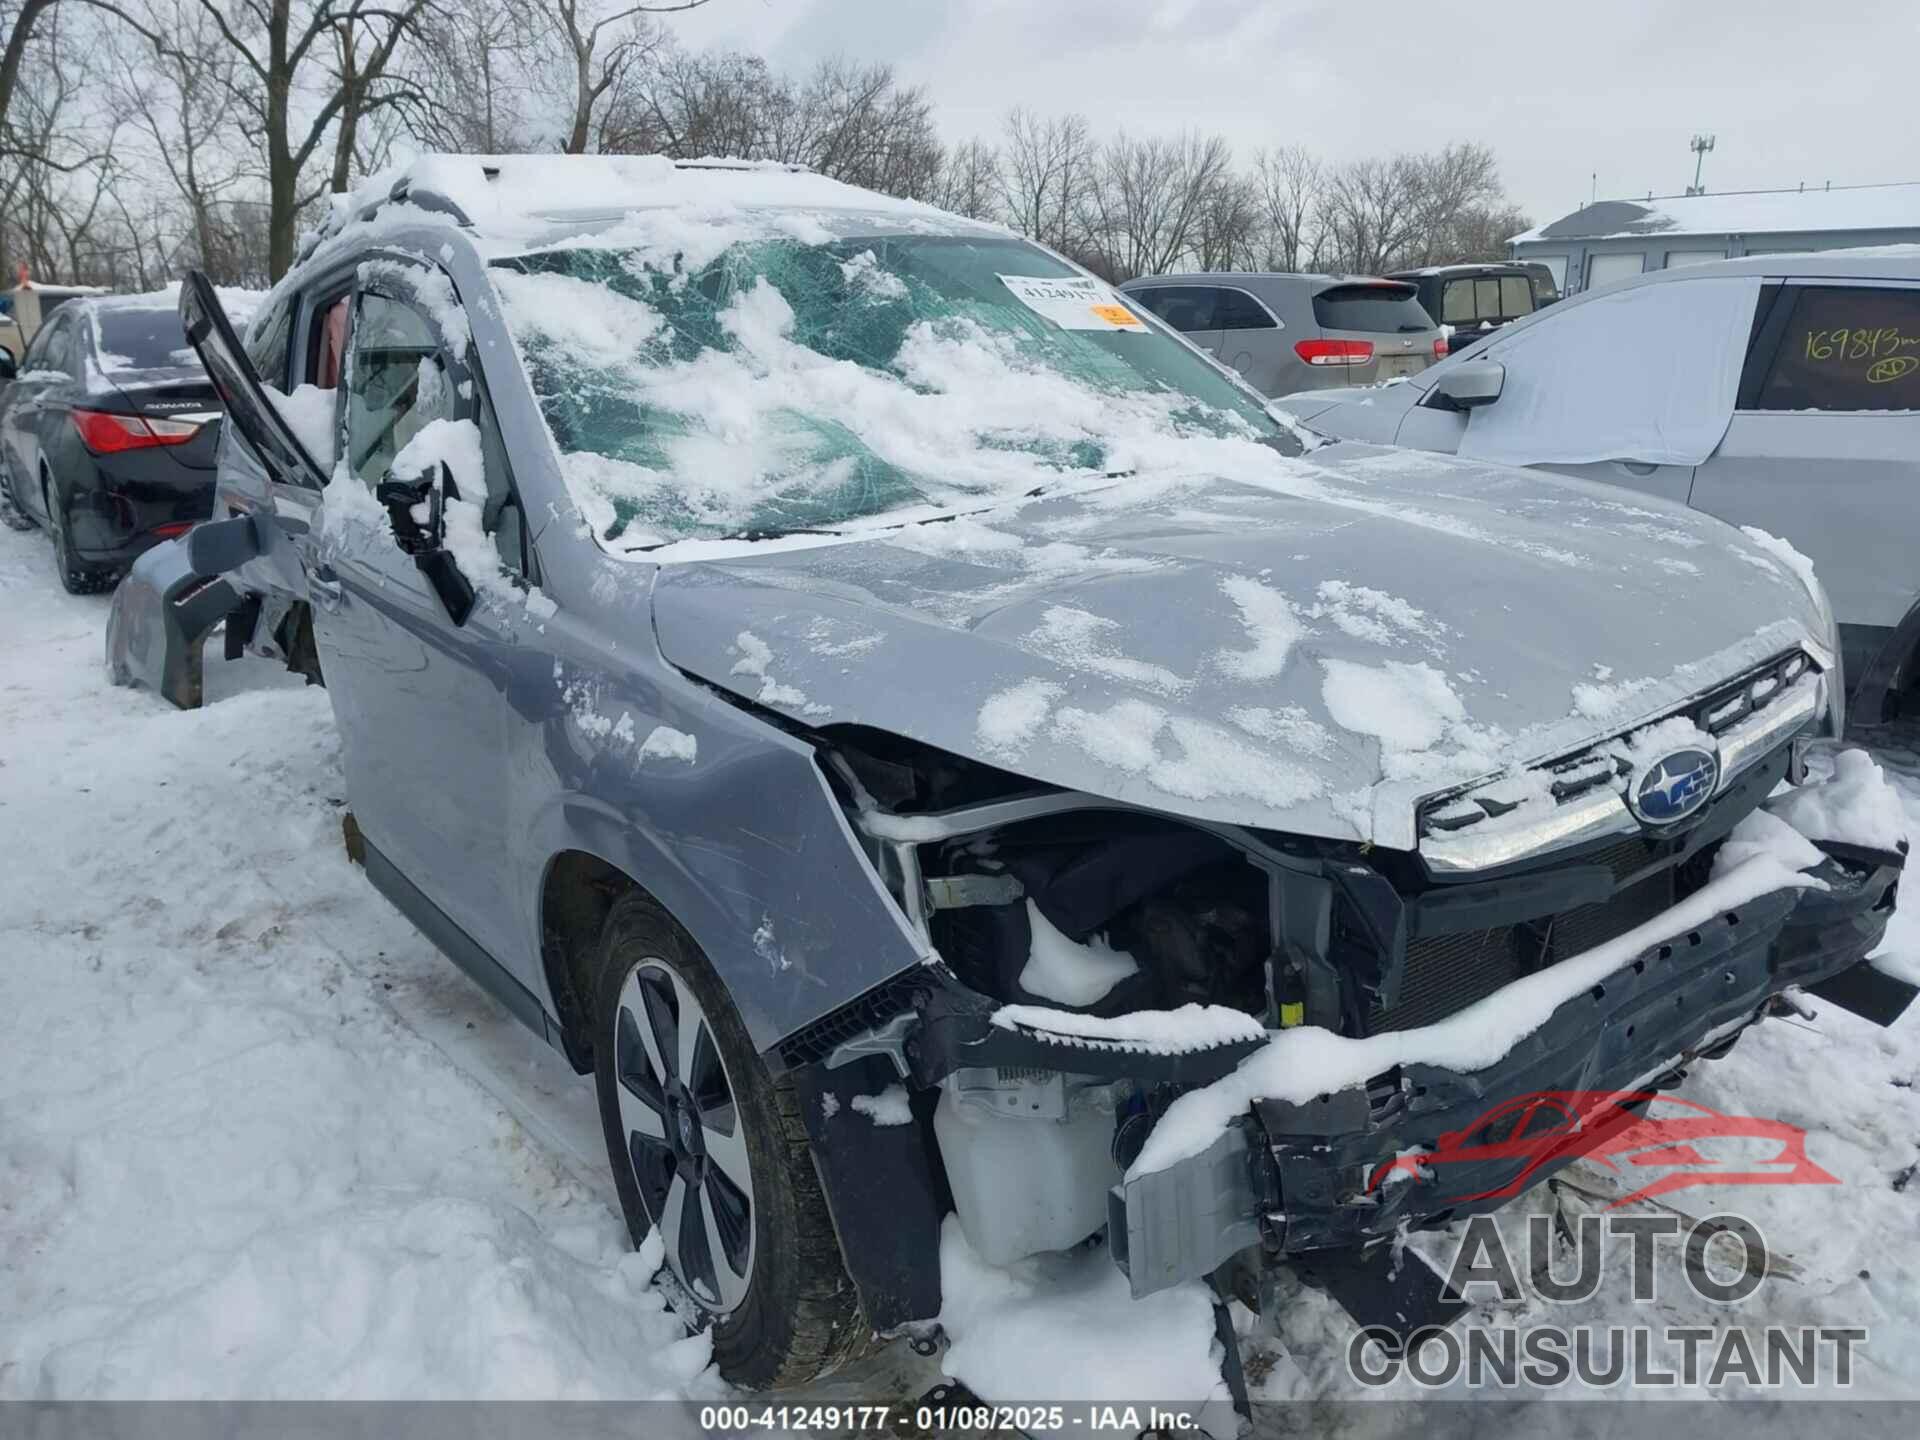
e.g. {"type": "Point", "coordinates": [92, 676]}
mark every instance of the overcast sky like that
{"type": "Point", "coordinates": [1794, 90]}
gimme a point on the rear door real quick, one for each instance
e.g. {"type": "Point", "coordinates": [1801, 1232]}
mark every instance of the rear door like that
{"type": "Point", "coordinates": [1824, 447]}
{"type": "Point", "coordinates": [1252, 339]}
{"type": "Point", "coordinates": [40, 398]}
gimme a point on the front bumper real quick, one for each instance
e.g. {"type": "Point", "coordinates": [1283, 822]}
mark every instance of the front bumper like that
{"type": "Point", "coordinates": [162, 612]}
{"type": "Point", "coordinates": [1294, 1179]}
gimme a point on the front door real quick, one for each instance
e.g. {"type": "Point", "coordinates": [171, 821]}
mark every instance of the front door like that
{"type": "Point", "coordinates": [420, 701]}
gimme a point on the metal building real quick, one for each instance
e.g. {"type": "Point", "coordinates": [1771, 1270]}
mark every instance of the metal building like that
{"type": "Point", "coordinates": [1614, 238]}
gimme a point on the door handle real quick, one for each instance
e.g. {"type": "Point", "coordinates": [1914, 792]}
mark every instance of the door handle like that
{"type": "Point", "coordinates": [323, 585]}
{"type": "Point", "coordinates": [1635, 467]}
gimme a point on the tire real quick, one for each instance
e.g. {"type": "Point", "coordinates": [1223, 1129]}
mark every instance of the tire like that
{"type": "Point", "coordinates": [781, 1307]}
{"type": "Point", "coordinates": [78, 577]}
{"type": "Point", "coordinates": [11, 515]}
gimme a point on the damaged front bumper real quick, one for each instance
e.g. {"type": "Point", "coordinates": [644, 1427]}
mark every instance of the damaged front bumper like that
{"type": "Point", "coordinates": [162, 612]}
{"type": "Point", "coordinates": [1288, 1180]}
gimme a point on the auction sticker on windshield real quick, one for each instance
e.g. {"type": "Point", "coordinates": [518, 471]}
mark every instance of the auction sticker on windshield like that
{"type": "Point", "coordinates": [1073, 302]}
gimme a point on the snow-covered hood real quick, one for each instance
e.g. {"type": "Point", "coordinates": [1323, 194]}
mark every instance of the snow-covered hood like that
{"type": "Point", "coordinates": [1310, 654]}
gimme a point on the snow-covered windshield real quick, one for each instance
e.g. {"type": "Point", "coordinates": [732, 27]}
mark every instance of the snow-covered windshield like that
{"type": "Point", "coordinates": [790, 385]}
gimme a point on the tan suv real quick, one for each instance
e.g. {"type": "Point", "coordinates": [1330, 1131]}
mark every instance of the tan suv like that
{"type": "Point", "coordinates": [1286, 333]}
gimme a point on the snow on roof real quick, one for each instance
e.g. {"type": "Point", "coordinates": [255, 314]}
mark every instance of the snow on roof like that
{"type": "Point", "coordinates": [1745, 212]}
{"type": "Point", "coordinates": [237, 302]}
{"type": "Point", "coordinates": [506, 192]}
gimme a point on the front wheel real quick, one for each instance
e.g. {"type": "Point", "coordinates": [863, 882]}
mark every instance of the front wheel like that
{"type": "Point", "coordinates": [711, 1151]}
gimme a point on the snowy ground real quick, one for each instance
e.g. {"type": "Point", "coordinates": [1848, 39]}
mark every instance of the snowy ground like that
{"type": "Point", "coordinates": [257, 1139]}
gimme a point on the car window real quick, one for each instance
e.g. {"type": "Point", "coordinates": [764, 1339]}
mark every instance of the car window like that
{"type": "Point", "coordinates": [1456, 303]}
{"type": "Point", "coordinates": [1486, 297]}
{"type": "Point", "coordinates": [126, 339]}
{"type": "Point", "coordinates": [1185, 307]}
{"type": "Point", "coordinates": [58, 354]}
{"type": "Point", "coordinates": [1550, 275]}
{"type": "Point", "coordinates": [1847, 348]}
{"type": "Point", "coordinates": [268, 342]}
{"type": "Point", "coordinates": [1237, 310]}
{"type": "Point", "coordinates": [787, 384]}
{"type": "Point", "coordinates": [397, 383]}
{"type": "Point", "coordinates": [1371, 305]}
{"type": "Point", "coordinates": [43, 348]}
{"type": "Point", "coordinates": [1516, 296]}
{"type": "Point", "coordinates": [399, 378]}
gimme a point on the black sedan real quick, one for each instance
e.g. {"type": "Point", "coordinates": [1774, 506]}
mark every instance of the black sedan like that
{"type": "Point", "coordinates": [107, 435]}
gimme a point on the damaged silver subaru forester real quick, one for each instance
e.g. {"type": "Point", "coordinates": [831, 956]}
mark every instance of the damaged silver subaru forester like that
{"type": "Point", "coordinates": [928, 740]}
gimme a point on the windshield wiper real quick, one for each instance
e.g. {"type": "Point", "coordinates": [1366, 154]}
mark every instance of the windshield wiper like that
{"type": "Point", "coordinates": [748, 535]}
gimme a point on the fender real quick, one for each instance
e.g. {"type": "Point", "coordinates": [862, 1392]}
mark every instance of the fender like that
{"type": "Point", "coordinates": [792, 917]}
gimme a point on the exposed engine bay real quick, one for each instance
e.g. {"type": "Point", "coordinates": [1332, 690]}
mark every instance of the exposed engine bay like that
{"type": "Point", "coordinates": [1097, 962]}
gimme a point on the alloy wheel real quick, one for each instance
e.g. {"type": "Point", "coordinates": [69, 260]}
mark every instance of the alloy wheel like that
{"type": "Point", "coordinates": [684, 1135]}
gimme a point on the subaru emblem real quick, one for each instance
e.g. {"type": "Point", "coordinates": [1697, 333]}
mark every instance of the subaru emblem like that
{"type": "Point", "coordinates": [1674, 786]}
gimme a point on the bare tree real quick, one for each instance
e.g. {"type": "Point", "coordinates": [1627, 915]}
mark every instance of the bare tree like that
{"type": "Point", "coordinates": [466, 82]}
{"type": "Point", "coordinates": [1144, 209]}
{"type": "Point", "coordinates": [971, 182]}
{"type": "Point", "coordinates": [1290, 183]}
{"type": "Point", "coordinates": [60, 168]}
{"type": "Point", "coordinates": [1227, 235]}
{"type": "Point", "coordinates": [1048, 164]}
{"type": "Point", "coordinates": [295, 81]}
{"type": "Point", "coordinates": [180, 108]}
{"type": "Point", "coordinates": [1380, 214]}
{"type": "Point", "coordinates": [605, 42]}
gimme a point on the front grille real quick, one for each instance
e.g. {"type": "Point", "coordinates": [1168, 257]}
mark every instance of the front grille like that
{"type": "Point", "coordinates": [1717, 713]}
{"type": "Point", "coordinates": [1624, 857]}
{"type": "Point", "coordinates": [1580, 930]}
{"type": "Point", "coordinates": [1445, 973]}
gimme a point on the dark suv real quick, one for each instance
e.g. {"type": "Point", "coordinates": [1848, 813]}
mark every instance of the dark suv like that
{"type": "Point", "coordinates": [1472, 298]}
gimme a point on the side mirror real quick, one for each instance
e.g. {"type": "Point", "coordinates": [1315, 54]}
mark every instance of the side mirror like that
{"type": "Point", "coordinates": [425, 536]}
{"type": "Point", "coordinates": [9, 367]}
{"type": "Point", "coordinates": [1468, 386]}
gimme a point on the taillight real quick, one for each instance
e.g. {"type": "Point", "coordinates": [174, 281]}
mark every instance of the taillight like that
{"type": "Point", "coordinates": [106, 434]}
{"type": "Point", "coordinates": [1440, 348]}
{"type": "Point", "coordinates": [1334, 352]}
{"type": "Point", "coordinates": [172, 528]}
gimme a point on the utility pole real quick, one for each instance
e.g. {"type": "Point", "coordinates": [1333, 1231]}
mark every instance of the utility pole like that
{"type": "Point", "coordinates": [1700, 146]}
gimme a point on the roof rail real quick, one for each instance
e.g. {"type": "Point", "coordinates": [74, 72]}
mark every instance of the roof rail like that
{"type": "Point", "coordinates": [403, 192]}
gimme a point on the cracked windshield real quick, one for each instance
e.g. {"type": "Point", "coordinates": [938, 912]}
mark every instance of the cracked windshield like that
{"type": "Point", "coordinates": [789, 386]}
